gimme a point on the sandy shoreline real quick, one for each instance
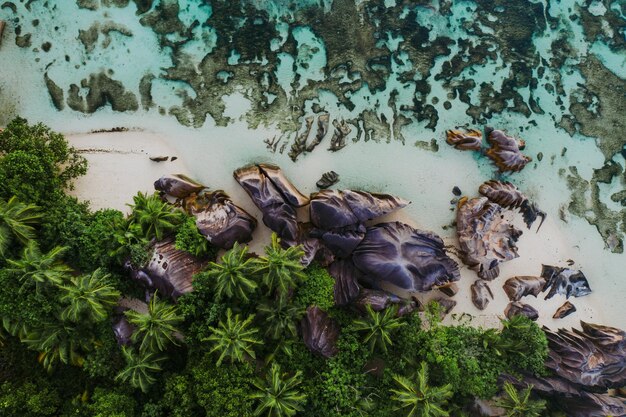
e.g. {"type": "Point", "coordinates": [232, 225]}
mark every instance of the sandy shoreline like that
{"type": "Point", "coordinates": [119, 166]}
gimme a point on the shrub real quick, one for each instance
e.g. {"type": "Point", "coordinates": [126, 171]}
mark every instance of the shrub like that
{"type": "Point", "coordinates": [107, 403]}
{"type": "Point", "coordinates": [316, 288]}
{"type": "Point", "coordinates": [189, 239]}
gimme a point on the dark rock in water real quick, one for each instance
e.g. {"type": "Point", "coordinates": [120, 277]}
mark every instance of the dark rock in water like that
{"type": "Point", "coordinates": [177, 185]}
{"type": "Point", "coordinates": [446, 305]}
{"type": "Point", "coordinates": [565, 310]}
{"type": "Point", "coordinates": [2, 25]}
{"type": "Point", "coordinates": [594, 357]}
{"type": "Point", "coordinates": [56, 93]}
{"type": "Point", "coordinates": [328, 179]}
{"type": "Point", "coordinates": [576, 402]}
{"type": "Point", "coordinates": [508, 196]}
{"type": "Point", "coordinates": [485, 238]}
{"type": "Point", "coordinates": [450, 289]}
{"type": "Point", "coordinates": [122, 330]}
{"type": "Point", "coordinates": [505, 152]}
{"type": "Point", "coordinates": [376, 299]}
{"type": "Point", "coordinates": [331, 209]}
{"type": "Point", "coordinates": [456, 191]}
{"type": "Point", "coordinates": [169, 270]}
{"type": "Point", "coordinates": [564, 281]}
{"type": "Point", "coordinates": [346, 276]}
{"type": "Point", "coordinates": [471, 139]}
{"type": "Point", "coordinates": [159, 158]}
{"type": "Point", "coordinates": [403, 258]}
{"type": "Point", "coordinates": [320, 332]}
{"type": "Point", "coordinates": [220, 220]}
{"type": "Point", "coordinates": [342, 130]}
{"type": "Point", "coordinates": [518, 287]}
{"type": "Point", "coordinates": [102, 90]}
{"type": "Point", "coordinates": [341, 242]}
{"type": "Point", "coordinates": [516, 308]}
{"type": "Point", "coordinates": [289, 192]}
{"type": "Point", "coordinates": [481, 294]}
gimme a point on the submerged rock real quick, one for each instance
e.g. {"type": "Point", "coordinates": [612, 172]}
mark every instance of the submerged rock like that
{"type": "Point", "coordinates": [508, 196]}
{"type": "Point", "coordinates": [346, 276]}
{"type": "Point", "coordinates": [403, 258]}
{"type": "Point", "coordinates": [564, 281]}
{"type": "Point", "coordinates": [505, 152]}
{"type": "Point", "coordinates": [342, 130]}
{"type": "Point", "coordinates": [328, 179]}
{"type": "Point", "coordinates": [565, 310]}
{"type": "Point", "coordinates": [178, 185]}
{"type": "Point", "coordinates": [2, 25]}
{"type": "Point", "coordinates": [481, 294]}
{"type": "Point", "coordinates": [518, 287]}
{"type": "Point", "coordinates": [471, 139]}
{"type": "Point", "coordinates": [516, 308]}
{"type": "Point", "coordinates": [320, 332]}
{"type": "Point", "coordinates": [331, 209]}
{"type": "Point", "coordinates": [486, 239]}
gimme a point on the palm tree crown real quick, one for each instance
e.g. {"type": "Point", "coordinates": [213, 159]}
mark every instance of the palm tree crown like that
{"type": "Point", "coordinates": [519, 404]}
{"type": "Point", "coordinates": [233, 339]}
{"type": "Point", "coordinates": [278, 394]}
{"type": "Point", "coordinates": [155, 329]}
{"type": "Point", "coordinates": [280, 268]}
{"type": "Point", "coordinates": [280, 318]}
{"type": "Point", "coordinates": [421, 399]}
{"type": "Point", "coordinates": [40, 268]}
{"type": "Point", "coordinates": [56, 341]}
{"type": "Point", "coordinates": [155, 216]}
{"type": "Point", "coordinates": [88, 296]}
{"type": "Point", "coordinates": [378, 326]}
{"type": "Point", "coordinates": [140, 368]}
{"type": "Point", "coordinates": [16, 221]}
{"type": "Point", "coordinates": [233, 276]}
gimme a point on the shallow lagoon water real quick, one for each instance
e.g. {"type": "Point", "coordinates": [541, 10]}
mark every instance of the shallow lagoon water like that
{"type": "Point", "coordinates": [396, 106]}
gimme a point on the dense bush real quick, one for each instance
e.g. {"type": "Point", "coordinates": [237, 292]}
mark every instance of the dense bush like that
{"type": "Point", "coordinates": [316, 288]}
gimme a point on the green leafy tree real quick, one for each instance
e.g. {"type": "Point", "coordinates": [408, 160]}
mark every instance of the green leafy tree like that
{"type": "Point", "coordinates": [140, 368]}
{"type": "Point", "coordinates": [189, 239]}
{"type": "Point", "coordinates": [316, 288]}
{"type": "Point", "coordinates": [88, 297]}
{"type": "Point", "coordinates": [519, 404]}
{"type": "Point", "coordinates": [16, 222]}
{"type": "Point", "coordinates": [36, 164]}
{"type": "Point", "coordinates": [156, 328]}
{"type": "Point", "coordinates": [106, 403]}
{"type": "Point", "coordinates": [419, 397]}
{"type": "Point", "coordinates": [29, 399]}
{"type": "Point", "coordinates": [130, 243]}
{"type": "Point", "coordinates": [233, 276]}
{"type": "Point", "coordinates": [280, 318]}
{"type": "Point", "coordinates": [524, 344]}
{"type": "Point", "coordinates": [234, 339]}
{"type": "Point", "coordinates": [155, 216]}
{"type": "Point", "coordinates": [378, 327]}
{"type": "Point", "coordinates": [280, 268]}
{"type": "Point", "coordinates": [57, 341]}
{"type": "Point", "coordinates": [40, 268]}
{"type": "Point", "coordinates": [278, 394]}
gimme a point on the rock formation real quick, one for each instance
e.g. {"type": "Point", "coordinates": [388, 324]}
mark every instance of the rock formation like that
{"type": "Point", "coordinates": [564, 281]}
{"type": "Point", "coordinates": [346, 276]}
{"type": "Point", "coordinates": [178, 185]}
{"type": "Point", "coordinates": [505, 152]}
{"type": "Point", "coordinates": [516, 308]}
{"type": "Point", "coordinates": [518, 287]}
{"type": "Point", "coordinates": [320, 332]}
{"type": "Point", "coordinates": [508, 196]}
{"type": "Point", "coordinates": [481, 294]}
{"type": "Point", "coordinates": [471, 139]}
{"type": "Point", "coordinates": [328, 179]}
{"type": "Point", "coordinates": [565, 310]}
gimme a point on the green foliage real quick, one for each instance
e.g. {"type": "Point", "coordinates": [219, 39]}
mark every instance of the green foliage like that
{"type": "Point", "coordinates": [280, 318]}
{"type": "Point", "coordinates": [419, 397]}
{"type": "Point", "coordinates": [234, 339]}
{"type": "Point", "coordinates": [155, 330]}
{"type": "Point", "coordinates": [16, 223]}
{"type": "Point", "coordinates": [224, 391]}
{"type": "Point", "coordinates": [36, 164]}
{"type": "Point", "coordinates": [179, 397]}
{"type": "Point", "coordinates": [189, 239]}
{"type": "Point", "coordinates": [105, 403]}
{"type": "Point", "coordinates": [280, 268]}
{"type": "Point", "coordinates": [156, 217]}
{"type": "Point", "coordinates": [316, 288]}
{"type": "Point", "coordinates": [519, 404]}
{"type": "Point", "coordinates": [278, 395]}
{"type": "Point", "coordinates": [28, 400]}
{"type": "Point", "coordinates": [379, 327]}
{"type": "Point", "coordinates": [526, 344]}
{"type": "Point", "coordinates": [130, 243]}
{"type": "Point", "coordinates": [88, 297]}
{"type": "Point", "coordinates": [40, 269]}
{"type": "Point", "coordinates": [234, 275]}
{"type": "Point", "coordinates": [140, 368]}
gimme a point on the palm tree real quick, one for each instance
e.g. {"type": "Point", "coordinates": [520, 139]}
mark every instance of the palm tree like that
{"type": "Point", "coordinates": [519, 404]}
{"type": "Point", "coordinates": [280, 318]}
{"type": "Point", "coordinates": [379, 325]}
{"type": "Point", "coordinates": [56, 341]}
{"type": "Point", "coordinates": [278, 394]}
{"type": "Point", "coordinates": [422, 399]}
{"type": "Point", "coordinates": [155, 216]}
{"type": "Point", "coordinates": [16, 221]}
{"type": "Point", "coordinates": [156, 328]}
{"type": "Point", "coordinates": [88, 296]}
{"type": "Point", "coordinates": [140, 368]}
{"type": "Point", "coordinates": [280, 268]}
{"type": "Point", "coordinates": [40, 268]}
{"type": "Point", "coordinates": [233, 275]}
{"type": "Point", "coordinates": [233, 339]}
